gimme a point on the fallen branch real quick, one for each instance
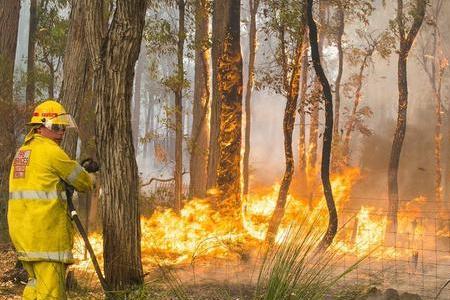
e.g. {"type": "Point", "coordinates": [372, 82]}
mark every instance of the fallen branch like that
{"type": "Point", "coordinates": [161, 180]}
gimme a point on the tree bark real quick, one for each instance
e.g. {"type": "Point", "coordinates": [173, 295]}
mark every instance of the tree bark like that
{"type": "Point", "coordinates": [114, 48]}
{"type": "Point", "coordinates": [200, 130]}
{"type": "Point", "coordinates": [406, 42]}
{"type": "Point", "coordinates": [75, 72]}
{"type": "Point", "coordinates": [178, 174]}
{"type": "Point", "coordinates": [220, 14]}
{"type": "Point", "coordinates": [9, 22]}
{"type": "Point", "coordinates": [31, 76]}
{"type": "Point", "coordinates": [253, 4]}
{"type": "Point", "coordinates": [328, 133]}
{"type": "Point", "coordinates": [230, 97]}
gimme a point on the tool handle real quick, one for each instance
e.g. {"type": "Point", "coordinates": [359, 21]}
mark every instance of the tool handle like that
{"type": "Point", "coordinates": [74, 216]}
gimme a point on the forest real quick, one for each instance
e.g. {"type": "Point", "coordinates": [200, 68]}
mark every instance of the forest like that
{"type": "Point", "coordinates": [254, 149]}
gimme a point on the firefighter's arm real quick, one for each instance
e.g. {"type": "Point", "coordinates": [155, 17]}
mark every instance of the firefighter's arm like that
{"type": "Point", "coordinates": [71, 171]}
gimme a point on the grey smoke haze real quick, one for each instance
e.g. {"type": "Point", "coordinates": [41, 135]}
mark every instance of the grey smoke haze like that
{"type": "Point", "coordinates": [379, 92]}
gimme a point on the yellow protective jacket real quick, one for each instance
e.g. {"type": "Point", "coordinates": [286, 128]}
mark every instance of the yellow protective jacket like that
{"type": "Point", "coordinates": [38, 219]}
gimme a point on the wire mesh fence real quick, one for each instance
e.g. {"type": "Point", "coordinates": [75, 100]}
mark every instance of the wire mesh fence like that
{"type": "Point", "coordinates": [415, 258]}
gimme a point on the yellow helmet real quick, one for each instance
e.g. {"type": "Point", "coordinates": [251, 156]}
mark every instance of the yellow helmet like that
{"type": "Point", "coordinates": [50, 113]}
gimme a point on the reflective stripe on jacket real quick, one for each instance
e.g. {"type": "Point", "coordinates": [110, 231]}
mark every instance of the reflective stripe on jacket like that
{"type": "Point", "coordinates": [39, 224]}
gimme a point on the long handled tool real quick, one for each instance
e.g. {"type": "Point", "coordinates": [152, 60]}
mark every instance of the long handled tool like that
{"type": "Point", "coordinates": [92, 167]}
{"type": "Point", "coordinates": [76, 219]}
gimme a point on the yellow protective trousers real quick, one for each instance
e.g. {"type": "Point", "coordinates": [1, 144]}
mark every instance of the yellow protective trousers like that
{"type": "Point", "coordinates": [47, 280]}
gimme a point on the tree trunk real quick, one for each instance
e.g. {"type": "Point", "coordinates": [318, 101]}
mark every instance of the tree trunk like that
{"type": "Point", "coordinates": [148, 125]}
{"type": "Point", "coordinates": [220, 14]}
{"type": "Point", "coordinates": [406, 42]}
{"type": "Point", "coordinates": [352, 118]}
{"type": "Point", "coordinates": [178, 174]}
{"type": "Point", "coordinates": [328, 133]}
{"type": "Point", "coordinates": [436, 84]}
{"type": "Point", "coordinates": [288, 128]}
{"type": "Point", "coordinates": [114, 48]}
{"type": "Point", "coordinates": [9, 22]}
{"type": "Point", "coordinates": [200, 130]}
{"type": "Point", "coordinates": [316, 97]}
{"type": "Point", "coordinates": [75, 73]}
{"type": "Point", "coordinates": [230, 98]}
{"type": "Point", "coordinates": [339, 34]}
{"type": "Point", "coordinates": [140, 67]}
{"type": "Point", "coordinates": [31, 76]}
{"type": "Point", "coordinates": [302, 149]}
{"type": "Point", "coordinates": [51, 82]}
{"type": "Point", "coordinates": [253, 4]}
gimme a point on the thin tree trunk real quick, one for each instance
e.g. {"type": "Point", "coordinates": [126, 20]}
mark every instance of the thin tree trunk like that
{"type": "Point", "coordinates": [328, 134]}
{"type": "Point", "coordinates": [436, 83]}
{"type": "Point", "coordinates": [406, 42]}
{"type": "Point", "coordinates": [316, 99]}
{"type": "Point", "coordinates": [31, 76]}
{"type": "Point", "coordinates": [140, 67]}
{"type": "Point", "coordinates": [9, 22]}
{"type": "Point", "coordinates": [339, 34]}
{"type": "Point", "coordinates": [292, 87]}
{"type": "Point", "coordinates": [51, 82]}
{"type": "Point", "coordinates": [302, 149]}
{"type": "Point", "coordinates": [254, 4]}
{"type": "Point", "coordinates": [352, 118]}
{"type": "Point", "coordinates": [148, 125]}
{"type": "Point", "coordinates": [230, 97]}
{"type": "Point", "coordinates": [114, 48]}
{"type": "Point", "coordinates": [178, 174]}
{"type": "Point", "coordinates": [75, 73]}
{"type": "Point", "coordinates": [200, 129]}
{"type": "Point", "coordinates": [220, 14]}
{"type": "Point", "coordinates": [288, 128]}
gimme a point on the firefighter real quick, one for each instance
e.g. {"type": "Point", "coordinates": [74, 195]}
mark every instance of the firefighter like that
{"type": "Point", "coordinates": [39, 224]}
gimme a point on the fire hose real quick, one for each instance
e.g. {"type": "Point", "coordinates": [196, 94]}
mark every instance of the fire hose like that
{"type": "Point", "coordinates": [91, 167]}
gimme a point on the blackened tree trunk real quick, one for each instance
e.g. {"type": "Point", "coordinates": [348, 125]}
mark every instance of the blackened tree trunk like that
{"type": "Point", "coordinates": [200, 129]}
{"type": "Point", "coordinates": [406, 41]}
{"type": "Point", "coordinates": [253, 4]}
{"type": "Point", "coordinates": [75, 73]}
{"type": "Point", "coordinates": [31, 76]}
{"type": "Point", "coordinates": [328, 133]}
{"type": "Point", "coordinates": [114, 48]}
{"type": "Point", "coordinates": [178, 174]}
{"type": "Point", "coordinates": [230, 98]}
{"type": "Point", "coordinates": [220, 14]}
{"type": "Point", "coordinates": [140, 67]}
{"type": "Point", "coordinates": [9, 22]}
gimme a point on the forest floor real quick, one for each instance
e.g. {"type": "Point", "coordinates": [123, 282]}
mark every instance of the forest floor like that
{"type": "Point", "coordinates": [211, 280]}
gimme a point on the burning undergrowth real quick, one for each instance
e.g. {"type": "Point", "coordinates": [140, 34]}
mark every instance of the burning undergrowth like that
{"type": "Point", "coordinates": [200, 232]}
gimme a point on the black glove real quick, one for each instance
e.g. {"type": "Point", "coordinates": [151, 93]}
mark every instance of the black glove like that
{"type": "Point", "coordinates": [90, 165]}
